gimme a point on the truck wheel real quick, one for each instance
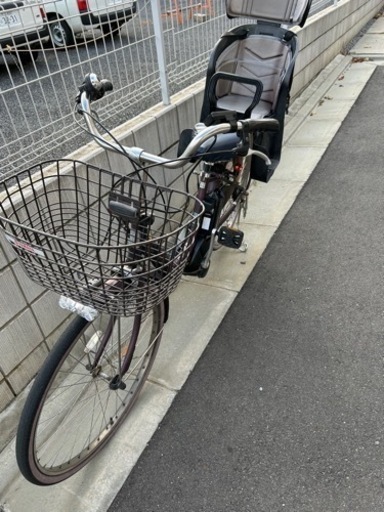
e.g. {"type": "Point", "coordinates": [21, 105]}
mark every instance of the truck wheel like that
{"type": "Point", "coordinates": [60, 32]}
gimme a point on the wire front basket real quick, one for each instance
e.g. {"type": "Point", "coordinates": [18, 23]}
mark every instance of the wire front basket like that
{"type": "Point", "coordinates": [105, 240]}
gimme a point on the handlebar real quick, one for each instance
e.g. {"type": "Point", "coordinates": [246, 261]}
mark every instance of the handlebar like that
{"type": "Point", "coordinates": [93, 89]}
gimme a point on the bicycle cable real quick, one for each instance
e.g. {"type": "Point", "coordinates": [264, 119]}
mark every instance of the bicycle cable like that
{"type": "Point", "coordinates": [124, 152]}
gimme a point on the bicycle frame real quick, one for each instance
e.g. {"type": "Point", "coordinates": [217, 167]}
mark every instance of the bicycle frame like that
{"type": "Point", "coordinates": [211, 182]}
{"type": "Point", "coordinates": [211, 185]}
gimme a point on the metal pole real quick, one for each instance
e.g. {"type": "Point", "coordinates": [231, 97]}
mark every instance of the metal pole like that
{"type": "Point", "coordinates": [160, 50]}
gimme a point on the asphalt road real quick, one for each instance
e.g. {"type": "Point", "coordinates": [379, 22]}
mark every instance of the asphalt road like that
{"type": "Point", "coordinates": [284, 411]}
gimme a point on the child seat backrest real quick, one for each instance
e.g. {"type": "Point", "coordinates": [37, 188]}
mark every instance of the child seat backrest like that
{"type": "Point", "coordinates": [251, 67]}
{"type": "Point", "coordinates": [251, 62]}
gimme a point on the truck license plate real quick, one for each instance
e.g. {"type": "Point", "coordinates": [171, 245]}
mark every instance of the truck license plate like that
{"type": "Point", "coordinates": [11, 19]}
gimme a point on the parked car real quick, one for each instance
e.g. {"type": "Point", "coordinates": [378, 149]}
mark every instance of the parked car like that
{"type": "Point", "coordinates": [23, 29]}
{"type": "Point", "coordinates": [69, 18]}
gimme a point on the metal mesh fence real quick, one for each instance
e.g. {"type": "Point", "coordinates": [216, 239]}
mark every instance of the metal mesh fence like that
{"type": "Point", "coordinates": [39, 81]}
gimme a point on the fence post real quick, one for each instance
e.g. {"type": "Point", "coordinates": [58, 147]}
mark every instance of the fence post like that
{"type": "Point", "coordinates": [160, 50]}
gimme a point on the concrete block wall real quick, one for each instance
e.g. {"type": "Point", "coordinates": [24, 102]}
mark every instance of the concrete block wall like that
{"type": "Point", "coordinates": [30, 320]}
{"type": "Point", "coordinates": [327, 34]}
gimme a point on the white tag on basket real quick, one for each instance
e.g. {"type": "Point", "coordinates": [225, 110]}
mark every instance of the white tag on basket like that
{"type": "Point", "coordinates": [75, 307]}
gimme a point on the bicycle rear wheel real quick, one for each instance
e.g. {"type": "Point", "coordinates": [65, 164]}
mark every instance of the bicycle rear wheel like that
{"type": "Point", "coordinates": [75, 407]}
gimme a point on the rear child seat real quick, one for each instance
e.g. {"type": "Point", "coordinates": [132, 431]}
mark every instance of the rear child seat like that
{"type": "Point", "coordinates": [251, 69]}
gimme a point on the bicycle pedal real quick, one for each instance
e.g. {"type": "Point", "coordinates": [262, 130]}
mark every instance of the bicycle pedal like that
{"type": "Point", "coordinates": [230, 237]}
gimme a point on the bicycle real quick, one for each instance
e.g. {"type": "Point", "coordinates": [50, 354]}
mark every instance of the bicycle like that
{"type": "Point", "coordinates": [115, 247]}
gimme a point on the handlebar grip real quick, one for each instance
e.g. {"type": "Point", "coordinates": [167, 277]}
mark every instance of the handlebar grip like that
{"type": "Point", "coordinates": [107, 85]}
{"type": "Point", "coordinates": [93, 87]}
{"type": "Point", "coordinates": [263, 125]}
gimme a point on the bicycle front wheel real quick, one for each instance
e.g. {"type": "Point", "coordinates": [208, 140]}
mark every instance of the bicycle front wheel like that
{"type": "Point", "coordinates": [81, 396]}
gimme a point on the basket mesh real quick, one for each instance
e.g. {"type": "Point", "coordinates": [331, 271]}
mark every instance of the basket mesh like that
{"type": "Point", "coordinates": [67, 237]}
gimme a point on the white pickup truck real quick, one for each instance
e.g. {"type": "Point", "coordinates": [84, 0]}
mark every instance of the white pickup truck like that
{"type": "Point", "coordinates": [23, 29]}
{"type": "Point", "coordinates": [69, 18]}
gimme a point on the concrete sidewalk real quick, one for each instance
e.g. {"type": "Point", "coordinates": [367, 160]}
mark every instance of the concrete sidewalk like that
{"type": "Point", "coordinates": [315, 119]}
{"type": "Point", "coordinates": [284, 411]}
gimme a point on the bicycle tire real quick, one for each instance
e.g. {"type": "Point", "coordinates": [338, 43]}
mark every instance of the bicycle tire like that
{"type": "Point", "coordinates": [71, 412]}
